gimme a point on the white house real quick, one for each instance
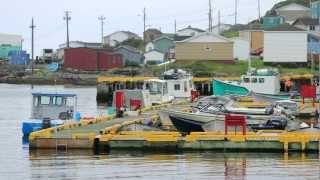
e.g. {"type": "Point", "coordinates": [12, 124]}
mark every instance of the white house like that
{"type": "Point", "coordinates": [153, 57]}
{"type": "Point", "coordinates": [307, 24]}
{"type": "Point", "coordinates": [10, 39]}
{"type": "Point", "coordinates": [241, 48]}
{"type": "Point", "coordinates": [293, 11]}
{"type": "Point", "coordinates": [285, 44]}
{"type": "Point", "coordinates": [118, 37]}
{"type": "Point", "coordinates": [189, 31]}
{"type": "Point", "coordinates": [149, 46]}
{"type": "Point", "coordinates": [218, 29]}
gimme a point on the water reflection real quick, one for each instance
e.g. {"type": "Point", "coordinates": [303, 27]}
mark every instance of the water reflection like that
{"type": "Point", "coordinates": [186, 165]}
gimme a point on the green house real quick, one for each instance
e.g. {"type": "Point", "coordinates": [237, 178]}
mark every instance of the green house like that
{"type": "Point", "coordinates": [162, 44]}
{"type": "Point", "coordinates": [6, 49]}
{"type": "Point", "coordinates": [272, 21]}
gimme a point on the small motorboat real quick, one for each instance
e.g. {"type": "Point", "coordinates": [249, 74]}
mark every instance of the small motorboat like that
{"type": "Point", "coordinates": [49, 110]}
{"type": "Point", "coordinates": [275, 123]}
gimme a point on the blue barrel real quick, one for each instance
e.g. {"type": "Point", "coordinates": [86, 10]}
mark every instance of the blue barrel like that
{"type": "Point", "coordinates": [77, 116]}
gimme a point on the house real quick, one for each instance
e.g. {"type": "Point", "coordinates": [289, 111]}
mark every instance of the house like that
{"type": "Point", "coordinates": [206, 46]}
{"type": "Point", "coordinates": [218, 29]}
{"type": "Point", "coordinates": [315, 9]}
{"type": "Point", "coordinates": [241, 48]}
{"type": "Point", "coordinates": [285, 44]}
{"type": "Point", "coordinates": [115, 38]}
{"type": "Point", "coordinates": [76, 44]}
{"type": "Point", "coordinates": [254, 34]}
{"type": "Point", "coordinates": [293, 11]}
{"type": "Point", "coordinates": [189, 31]}
{"type": "Point", "coordinates": [162, 44]}
{"type": "Point", "coordinates": [154, 57]}
{"type": "Point", "coordinates": [89, 59]}
{"type": "Point", "coordinates": [131, 56]}
{"type": "Point", "coordinates": [151, 34]}
{"type": "Point", "coordinates": [272, 21]}
{"type": "Point", "coordinates": [307, 24]}
{"type": "Point", "coordinates": [8, 43]}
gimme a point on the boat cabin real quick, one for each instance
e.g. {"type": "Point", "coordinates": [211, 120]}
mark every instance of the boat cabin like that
{"type": "Point", "coordinates": [179, 82]}
{"type": "Point", "coordinates": [53, 106]}
{"type": "Point", "coordinates": [263, 81]}
{"type": "Point", "coordinates": [158, 90]}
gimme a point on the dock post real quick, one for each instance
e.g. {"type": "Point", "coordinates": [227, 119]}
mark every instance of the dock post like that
{"type": "Point", "coordinates": [286, 146]}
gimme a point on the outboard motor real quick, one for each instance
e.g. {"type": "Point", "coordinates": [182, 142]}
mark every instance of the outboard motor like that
{"type": "Point", "coordinates": [46, 123]}
{"type": "Point", "coordinates": [269, 110]}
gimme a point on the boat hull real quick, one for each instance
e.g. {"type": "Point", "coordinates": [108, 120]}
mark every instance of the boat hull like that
{"type": "Point", "coordinates": [30, 126]}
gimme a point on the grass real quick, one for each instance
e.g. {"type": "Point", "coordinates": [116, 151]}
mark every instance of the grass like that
{"type": "Point", "coordinates": [207, 68]}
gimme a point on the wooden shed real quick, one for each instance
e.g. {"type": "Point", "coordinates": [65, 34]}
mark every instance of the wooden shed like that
{"type": "Point", "coordinates": [205, 47]}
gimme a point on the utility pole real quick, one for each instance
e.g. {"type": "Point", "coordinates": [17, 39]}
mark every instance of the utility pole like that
{"type": "Point", "coordinates": [32, 44]}
{"type": "Point", "coordinates": [67, 18]}
{"type": "Point", "coordinates": [144, 25]}
{"type": "Point", "coordinates": [210, 17]}
{"type": "Point", "coordinates": [259, 10]}
{"type": "Point", "coordinates": [102, 18]}
{"type": "Point", "coordinates": [175, 26]}
{"type": "Point", "coordinates": [219, 21]}
{"type": "Point", "coordinates": [235, 11]}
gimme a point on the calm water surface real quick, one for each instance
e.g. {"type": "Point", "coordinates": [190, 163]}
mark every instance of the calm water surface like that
{"type": "Point", "coordinates": [16, 162]}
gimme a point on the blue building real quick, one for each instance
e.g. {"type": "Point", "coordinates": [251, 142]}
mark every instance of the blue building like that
{"type": "Point", "coordinates": [19, 58]}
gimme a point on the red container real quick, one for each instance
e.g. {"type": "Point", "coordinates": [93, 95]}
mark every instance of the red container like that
{"type": "Point", "coordinates": [80, 58]}
{"type": "Point", "coordinates": [88, 59]}
{"type": "Point", "coordinates": [107, 60]}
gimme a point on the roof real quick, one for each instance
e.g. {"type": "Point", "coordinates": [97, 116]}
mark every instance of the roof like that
{"type": "Point", "coordinates": [213, 35]}
{"type": "Point", "coordinates": [54, 94]}
{"type": "Point", "coordinates": [129, 48]}
{"type": "Point", "coordinates": [126, 32]}
{"type": "Point", "coordinates": [192, 28]}
{"type": "Point", "coordinates": [307, 21]}
{"type": "Point", "coordinates": [284, 27]}
{"type": "Point", "coordinates": [253, 27]}
{"type": "Point", "coordinates": [176, 37]}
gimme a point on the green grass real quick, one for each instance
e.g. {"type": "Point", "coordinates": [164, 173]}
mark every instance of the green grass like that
{"type": "Point", "coordinates": [230, 34]}
{"type": "Point", "coordinates": [207, 68]}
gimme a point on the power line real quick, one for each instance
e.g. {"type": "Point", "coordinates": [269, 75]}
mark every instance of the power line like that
{"type": "Point", "coordinates": [235, 11]}
{"type": "Point", "coordinates": [67, 18]}
{"type": "Point", "coordinates": [102, 18]}
{"type": "Point", "coordinates": [144, 25]}
{"type": "Point", "coordinates": [210, 17]}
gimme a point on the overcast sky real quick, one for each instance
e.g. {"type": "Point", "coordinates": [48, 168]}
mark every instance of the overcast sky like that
{"type": "Point", "coordinates": [16, 17]}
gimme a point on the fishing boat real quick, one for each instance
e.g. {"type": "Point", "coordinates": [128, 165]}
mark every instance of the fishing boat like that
{"type": "Point", "coordinates": [49, 110]}
{"type": "Point", "coordinates": [261, 83]}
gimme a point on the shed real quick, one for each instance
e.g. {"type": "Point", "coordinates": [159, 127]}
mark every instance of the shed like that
{"type": "Point", "coordinates": [131, 56]}
{"type": "Point", "coordinates": [205, 46]}
{"type": "Point", "coordinates": [89, 59]}
{"type": "Point", "coordinates": [153, 57]}
{"type": "Point", "coordinates": [241, 48]}
{"type": "Point", "coordinates": [285, 44]}
{"type": "Point", "coordinates": [254, 34]}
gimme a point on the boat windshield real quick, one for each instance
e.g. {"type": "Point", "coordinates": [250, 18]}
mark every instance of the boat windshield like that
{"type": "Point", "coordinates": [155, 87]}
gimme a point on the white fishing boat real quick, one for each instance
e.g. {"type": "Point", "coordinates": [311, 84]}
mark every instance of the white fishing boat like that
{"type": "Point", "coordinates": [50, 109]}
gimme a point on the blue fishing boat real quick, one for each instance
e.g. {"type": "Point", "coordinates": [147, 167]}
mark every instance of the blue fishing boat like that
{"type": "Point", "coordinates": [49, 110]}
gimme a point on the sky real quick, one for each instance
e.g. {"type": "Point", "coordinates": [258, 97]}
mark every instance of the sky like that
{"type": "Point", "coordinates": [50, 31]}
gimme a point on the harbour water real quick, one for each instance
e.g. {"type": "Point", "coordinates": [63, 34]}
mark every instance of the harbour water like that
{"type": "Point", "coordinates": [17, 162]}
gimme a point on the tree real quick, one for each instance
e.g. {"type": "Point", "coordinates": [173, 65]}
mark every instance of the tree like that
{"type": "Point", "coordinates": [133, 42]}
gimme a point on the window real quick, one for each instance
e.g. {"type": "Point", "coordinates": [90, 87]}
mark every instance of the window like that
{"type": "Point", "coordinates": [177, 87]}
{"type": "Point", "coordinates": [261, 80]}
{"type": "Point", "coordinates": [57, 101]}
{"type": "Point", "coordinates": [254, 80]}
{"type": "Point", "coordinates": [35, 101]}
{"type": "Point", "coordinates": [45, 100]}
{"type": "Point", "coordinates": [312, 28]}
{"type": "Point", "coordinates": [190, 84]}
{"type": "Point", "coordinates": [246, 80]}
